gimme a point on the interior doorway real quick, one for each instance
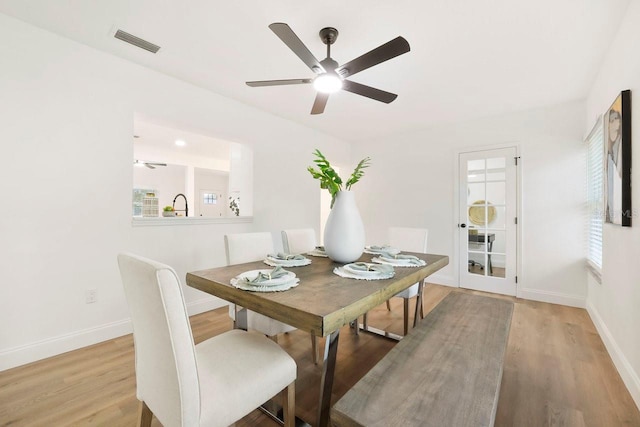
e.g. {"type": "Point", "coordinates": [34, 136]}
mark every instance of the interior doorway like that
{"type": "Point", "coordinates": [211, 203]}
{"type": "Point", "coordinates": [487, 220]}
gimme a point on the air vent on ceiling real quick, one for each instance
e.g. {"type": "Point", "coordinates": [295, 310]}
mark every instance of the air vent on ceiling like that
{"type": "Point", "coordinates": [136, 41]}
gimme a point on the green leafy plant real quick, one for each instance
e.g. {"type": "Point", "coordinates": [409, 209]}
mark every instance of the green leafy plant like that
{"type": "Point", "coordinates": [168, 209]}
{"type": "Point", "coordinates": [329, 178]}
{"type": "Point", "coordinates": [234, 205]}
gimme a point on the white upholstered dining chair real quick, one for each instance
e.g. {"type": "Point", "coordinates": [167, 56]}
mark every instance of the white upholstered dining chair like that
{"type": "Point", "coordinates": [250, 247]}
{"type": "Point", "coordinates": [300, 241]}
{"type": "Point", "coordinates": [214, 383]}
{"type": "Point", "coordinates": [409, 240]}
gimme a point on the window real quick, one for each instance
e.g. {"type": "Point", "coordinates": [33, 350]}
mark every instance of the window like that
{"type": "Point", "coordinates": [210, 199]}
{"type": "Point", "coordinates": [595, 171]}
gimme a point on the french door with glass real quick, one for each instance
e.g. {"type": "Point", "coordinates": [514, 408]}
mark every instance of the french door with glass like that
{"type": "Point", "coordinates": [487, 224]}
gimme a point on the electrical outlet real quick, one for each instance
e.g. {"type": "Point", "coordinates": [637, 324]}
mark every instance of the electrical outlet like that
{"type": "Point", "coordinates": [91, 296]}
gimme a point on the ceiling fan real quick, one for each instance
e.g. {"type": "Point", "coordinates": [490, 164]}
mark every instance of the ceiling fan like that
{"type": "Point", "coordinates": [150, 165]}
{"type": "Point", "coordinates": [332, 77]}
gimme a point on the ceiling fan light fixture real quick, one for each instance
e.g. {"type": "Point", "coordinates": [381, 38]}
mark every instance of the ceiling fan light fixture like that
{"type": "Point", "coordinates": [327, 83]}
{"type": "Point", "coordinates": [331, 76]}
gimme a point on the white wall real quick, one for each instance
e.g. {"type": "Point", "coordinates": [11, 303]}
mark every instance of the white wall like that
{"type": "Point", "coordinates": [241, 178]}
{"type": "Point", "coordinates": [66, 136]}
{"type": "Point", "coordinates": [614, 305]}
{"type": "Point", "coordinates": [412, 177]}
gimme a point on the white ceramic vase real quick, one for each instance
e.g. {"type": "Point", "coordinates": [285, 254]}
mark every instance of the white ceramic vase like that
{"type": "Point", "coordinates": [344, 232]}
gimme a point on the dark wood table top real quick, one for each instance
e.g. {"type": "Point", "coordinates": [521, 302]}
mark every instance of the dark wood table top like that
{"type": "Point", "coordinates": [323, 301]}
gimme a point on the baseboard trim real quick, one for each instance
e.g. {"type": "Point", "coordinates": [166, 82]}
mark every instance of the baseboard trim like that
{"type": "Point", "coordinates": [21, 355]}
{"type": "Point", "coordinates": [18, 356]}
{"type": "Point", "coordinates": [205, 304]}
{"type": "Point", "coordinates": [628, 375]}
{"type": "Point", "coordinates": [552, 297]}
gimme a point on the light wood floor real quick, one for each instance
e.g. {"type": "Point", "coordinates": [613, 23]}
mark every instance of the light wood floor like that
{"type": "Point", "coordinates": [557, 373]}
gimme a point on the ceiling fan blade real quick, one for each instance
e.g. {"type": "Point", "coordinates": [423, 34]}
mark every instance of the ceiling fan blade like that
{"type": "Point", "coordinates": [368, 91]}
{"type": "Point", "coordinates": [279, 82]}
{"type": "Point", "coordinates": [389, 50]}
{"type": "Point", "coordinates": [319, 103]}
{"type": "Point", "coordinates": [286, 34]}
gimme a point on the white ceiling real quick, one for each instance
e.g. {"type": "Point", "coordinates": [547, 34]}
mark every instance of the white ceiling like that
{"type": "Point", "coordinates": [151, 135]}
{"type": "Point", "coordinates": [468, 59]}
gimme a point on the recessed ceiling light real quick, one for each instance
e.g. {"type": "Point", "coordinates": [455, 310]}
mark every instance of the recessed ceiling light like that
{"type": "Point", "coordinates": [180, 143]}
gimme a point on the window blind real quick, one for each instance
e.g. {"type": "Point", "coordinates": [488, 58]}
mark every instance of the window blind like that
{"type": "Point", "coordinates": [595, 193]}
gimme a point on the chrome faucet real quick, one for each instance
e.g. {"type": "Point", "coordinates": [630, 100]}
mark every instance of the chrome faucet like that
{"type": "Point", "coordinates": [186, 205]}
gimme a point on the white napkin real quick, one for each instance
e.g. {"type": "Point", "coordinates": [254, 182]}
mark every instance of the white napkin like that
{"type": "Point", "coordinates": [281, 256]}
{"type": "Point", "coordinates": [408, 259]}
{"type": "Point", "coordinates": [366, 267]}
{"type": "Point", "coordinates": [377, 249]}
{"type": "Point", "coordinates": [264, 277]}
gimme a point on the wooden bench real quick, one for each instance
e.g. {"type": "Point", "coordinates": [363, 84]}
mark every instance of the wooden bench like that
{"type": "Point", "coordinates": [446, 372]}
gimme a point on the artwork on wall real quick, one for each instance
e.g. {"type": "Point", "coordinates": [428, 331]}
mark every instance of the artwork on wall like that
{"type": "Point", "coordinates": [617, 161]}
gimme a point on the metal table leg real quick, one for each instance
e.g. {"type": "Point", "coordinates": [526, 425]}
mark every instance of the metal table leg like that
{"type": "Point", "coordinates": [326, 383]}
{"type": "Point", "coordinates": [241, 318]}
{"type": "Point", "coordinates": [490, 269]}
{"type": "Point", "coordinates": [419, 310]}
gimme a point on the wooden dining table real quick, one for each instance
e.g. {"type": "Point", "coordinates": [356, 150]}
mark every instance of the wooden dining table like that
{"type": "Point", "coordinates": [321, 304]}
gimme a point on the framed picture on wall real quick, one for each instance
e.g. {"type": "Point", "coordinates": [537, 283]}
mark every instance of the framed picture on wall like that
{"type": "Point", "coordinates": [617, 161]}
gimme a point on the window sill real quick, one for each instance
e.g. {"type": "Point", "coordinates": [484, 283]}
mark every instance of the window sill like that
{"type": "Point", "coordinates": [179, 221]}
{"type": "Point", "coordinates": [594, 270]}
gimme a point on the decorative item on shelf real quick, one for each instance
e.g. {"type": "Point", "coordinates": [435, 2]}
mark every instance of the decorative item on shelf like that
{"type": "Point", "coordinates": [344, 236]}
{"type": "Point", "coordinates": [168, 211]}
{"type": "Point", "coordinates": [150, 206]}
{"type": "Point", "coordinates": [234, 205]}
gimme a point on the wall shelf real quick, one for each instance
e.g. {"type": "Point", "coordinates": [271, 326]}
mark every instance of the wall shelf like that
{"type": "Point", "coordinates": [180, 221]}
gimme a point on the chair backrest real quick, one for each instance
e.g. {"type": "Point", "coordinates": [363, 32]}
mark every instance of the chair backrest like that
{"type": "Point", "coordinates": [166, 369]}
{"type": "Point", "coordinates": [299, 241]}
{"type": "Point", "coordinates": [247, 247]}
{"type": "Point", "coordinates": [409, 239]}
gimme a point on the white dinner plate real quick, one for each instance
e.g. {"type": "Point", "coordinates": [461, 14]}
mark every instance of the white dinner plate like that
{"type": "Point", "coordinates": [381, 250]}
{"type": "Point", "coordinates": [286, 262]}
{"type": "Point", "coordinates": [317, 252]}
{"type": "Point", "coordinates": [245, 286]}
{"type": "Point", "coordinates": [340, 271]}
{"type": "Point", "coordinates": [398, 262]}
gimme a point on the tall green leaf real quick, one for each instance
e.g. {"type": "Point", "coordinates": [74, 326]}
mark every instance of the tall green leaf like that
{"type": "Point", "coordinates": [329, 178]}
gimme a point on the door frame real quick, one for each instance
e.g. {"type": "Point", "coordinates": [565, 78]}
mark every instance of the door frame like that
{"type": "Point", "coordinates": [456, 209]}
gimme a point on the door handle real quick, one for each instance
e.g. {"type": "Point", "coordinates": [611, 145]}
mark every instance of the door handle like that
{"type": "Point", "coordinates": [463, 226]}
